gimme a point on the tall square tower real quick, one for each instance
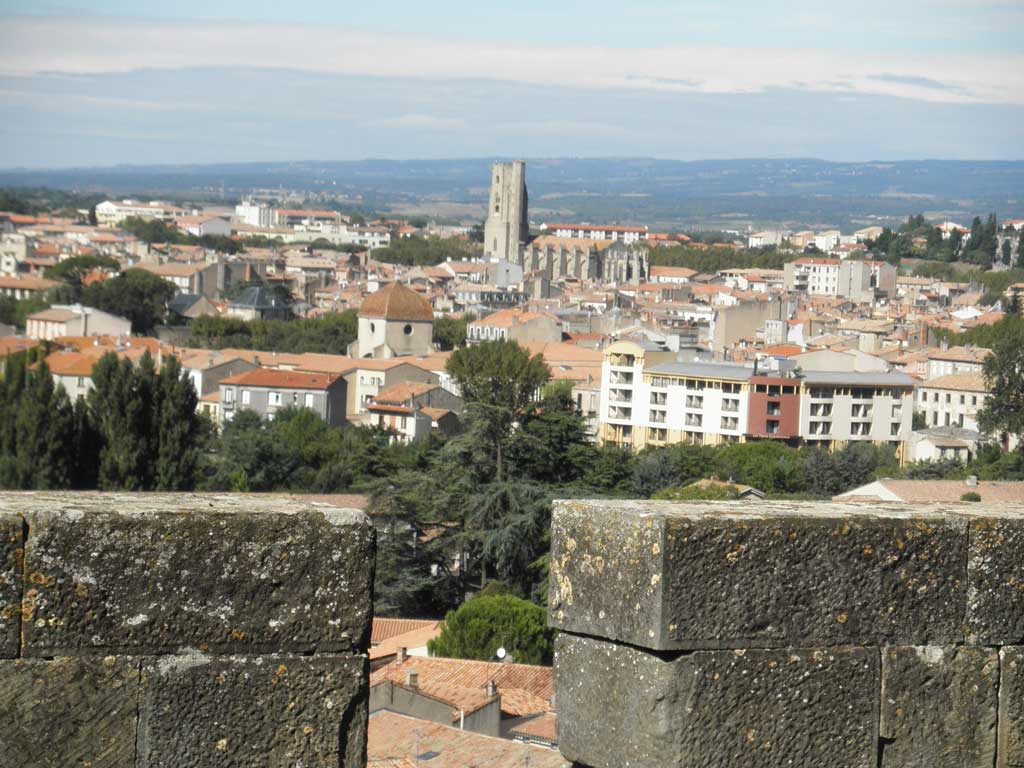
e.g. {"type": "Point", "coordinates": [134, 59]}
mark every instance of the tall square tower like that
{"type": "Point", "coordinates": [507, 227]}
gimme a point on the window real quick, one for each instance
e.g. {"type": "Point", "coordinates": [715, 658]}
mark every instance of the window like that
{"type": "Point", "coordinates": [774, 409]}
{"type": "Point", "coordinates": [229, 395]}
{"type": "Point", "coordinates": [245, 396]}
{"type": "Point", "coordinates": [309, 399]}
{"type": "Point", "coordinates": [407, 330]}
{"type": "Point", "coordinates": [274, 398]}
{"type": "Point", "coordinates": [373, 328]}
{"type": "Point", "coordinates": [772, 427]}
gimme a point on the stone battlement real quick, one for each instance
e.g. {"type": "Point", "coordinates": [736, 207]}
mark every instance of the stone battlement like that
{"type": "Point", "coordinates": [143, 630]}
{"type": "Point", "coordinates": [788, 634]}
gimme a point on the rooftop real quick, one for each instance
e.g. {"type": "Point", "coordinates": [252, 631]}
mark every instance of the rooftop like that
{"type": "Point", "coordinates": [271, 377]}
{"type": "Point", "coordinates": [397, 302]}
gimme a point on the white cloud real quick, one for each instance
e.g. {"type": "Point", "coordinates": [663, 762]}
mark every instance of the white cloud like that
{"type": "Point", "coordinates": [90, 45]}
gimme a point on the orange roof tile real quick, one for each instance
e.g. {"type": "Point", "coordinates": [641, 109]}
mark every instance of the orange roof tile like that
{"type": "Point", "coordinates": [390, 735]}
{"type": "Point", "coordinates": [397, 302]}
{"type": "Point", "coordinates": [271, 377]}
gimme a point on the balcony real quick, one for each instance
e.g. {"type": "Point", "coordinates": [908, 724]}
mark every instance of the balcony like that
{"type": "Point", "coordinates": [693, 420]}
{"type": "Point", "coordinates": [694, 402]}
{"type": "Point", "coordinates": [731, 406]}
{"type": "Point", "coordinates": [618, 413]}
{"type": "Point", "coordinates": [620, 396]}
{"type": "Point", "coordinates": [621, 377]}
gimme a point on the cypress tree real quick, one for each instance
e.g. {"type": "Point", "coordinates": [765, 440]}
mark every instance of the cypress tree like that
{"type": "Point", "coordinates": [178, 429]}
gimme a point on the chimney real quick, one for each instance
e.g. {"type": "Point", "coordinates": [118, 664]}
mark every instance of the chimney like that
{"type": "Point", "coordinates": [972, 481]}
{"type": "Point", "coordinates": [412, 679]}
{"type": "Point", "coordinates": [401, 655]}
{"type": "Point", "coordinates": [491, 688]}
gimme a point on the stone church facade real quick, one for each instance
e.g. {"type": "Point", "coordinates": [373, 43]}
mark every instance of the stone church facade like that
{"type": "Point", "coordinates": [584, 259]}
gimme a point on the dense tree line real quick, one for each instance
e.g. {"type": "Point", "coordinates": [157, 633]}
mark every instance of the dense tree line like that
{"type": "Point", "coordinates": [136, 430]}
{"type": "Point", "coordinates": [425, 251]}
{"type": "Point", "coordinates": [711, 260]}
{"type": "Point", "coordinates": [329, 334]}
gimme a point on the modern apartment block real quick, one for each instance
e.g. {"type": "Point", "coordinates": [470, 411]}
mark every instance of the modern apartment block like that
{"type": "Point", "coordinates": [648, 398]}
{"type": "Point", "coordinates": [839, 407]}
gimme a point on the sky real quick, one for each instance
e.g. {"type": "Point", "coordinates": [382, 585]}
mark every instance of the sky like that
{"type": "Point", "coordinates": [108, 82]}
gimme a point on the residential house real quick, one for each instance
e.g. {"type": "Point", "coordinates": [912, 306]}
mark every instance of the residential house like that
{"type": "Point", "coordinates": [266, 390]}
{"type": "Point", "coordinates": [410, 410]}
{"type": "Point", "coordinates": [75, 320]}
{"type": "Point", "coordinates": [517, 325]}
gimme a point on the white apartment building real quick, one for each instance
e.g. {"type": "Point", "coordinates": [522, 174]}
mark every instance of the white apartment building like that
{"type": "Point", "coordinates": [625, 235]}
{"type": "Point", "coordinates": [814, 276]}
{"type": "Point", "coordinates": [952, 400]}
{"type": "Point", "coordinates": [254, 214]}
{"type": "Point", "coordinates": [766, 238]}
{"type": "Point", "coordinates": [14, 249]}
{"type": "Point", "coordinates": [674, 275]}
{"type": "Point", "coordinates": [110, 213]}
{"type": "Point", "coordinates": [826, 241]}
{"type": "Point", "coordinates": [839, 407]}
{"type": "Point", "coordinates": [75, 320]}
{"type": "Point", "coordinates": [946, 362]}
{"type": "Point", "coordinates": [647, 398]}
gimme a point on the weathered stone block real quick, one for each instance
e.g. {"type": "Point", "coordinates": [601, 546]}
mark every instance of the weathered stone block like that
{"type": "Point", "coordinates": [68, 712]}
{"type": "Point", "coordinates": [219, 574]}
{"type": "Point", "coordinates": [624, 707]}
{"type": "Point", "coordinates": [995, 573]}
{"type": "Point", "coordinates": [12, 547]}
{"type": "Point", "coordinates": [1010, 739]}
{"type": "Point", "coordinates": [227, 712]}
{"type": "Point", "coordinates": [726, 575]}
{"type": "Point", "coordinates": [939, 707]}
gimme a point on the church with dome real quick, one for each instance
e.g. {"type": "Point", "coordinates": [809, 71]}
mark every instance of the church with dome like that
{"type": "Point", "coordinates": [394, 322]}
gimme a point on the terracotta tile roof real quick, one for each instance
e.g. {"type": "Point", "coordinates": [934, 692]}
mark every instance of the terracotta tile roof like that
{"type": "Point", "coordinates": [72, 363]}
{"type": "Point", "coordinates": [463, 701]}
{"type": "Point", "coordinates": [28, 283]}
{"type": "Point", "coordinates": [390, 762]}
{"type": "Point", "coordinates": [435, 413]}
{"type": "Point", "coordinates": [506, 318]}
{"type": "Point", "coordinates": [12, 344]}
{"type": "Point", "coordinates": [963, 382]}
{"type": "Point", "coordinates": [172, 269]}
{"type": "Point", "coordinates": [271, 377]}
{"type": "Point", "coordinates": [397, 302]}
{"type": "Point", "coordinates": [961, 354]}
{"type": "Point", "coordinates": [402, 392]}
{"type": "Point", "coordinates": [525, 688]}
{"type": "Point", "coordinates": [54, 315]}
{"type": "Point", "coordinates": [541, 728]}
{"type": "Point", "coordinates": [672, 272]}
{"type": "Point", "coordinates": [385, 629]}
{"type": "Point", "coordinates": [390, 735]}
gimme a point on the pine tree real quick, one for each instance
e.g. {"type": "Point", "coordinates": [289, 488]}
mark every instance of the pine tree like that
{"type": "Point", "coordinates": [178, 429]}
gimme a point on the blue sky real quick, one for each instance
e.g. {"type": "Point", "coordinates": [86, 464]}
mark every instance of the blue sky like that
{"type": "Point", "coordinates": [106, 81]}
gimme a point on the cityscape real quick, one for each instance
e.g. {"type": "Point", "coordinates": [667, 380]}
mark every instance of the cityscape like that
{"type": "Point", "coordinates": [543, 441]}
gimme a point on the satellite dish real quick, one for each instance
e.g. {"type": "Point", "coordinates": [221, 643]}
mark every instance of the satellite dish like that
{"type": "Point", "coordinates": [501, 653]}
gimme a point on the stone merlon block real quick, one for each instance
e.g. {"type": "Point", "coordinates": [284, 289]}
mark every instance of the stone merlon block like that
{"type": "Point", "coordinates": [735, 575]}
{"type": "Point", "coordinates": [623, 707]}
{"type": "Point", "coordinates": [1010, 739]}
{"type": "Point", "coordinates": [154, 574]}
{"type": "Point", "coordinates": [208, 711]}
{"type": "Point", "coordinates": [939, 706]}
{"type": "Point", "coordinates": [78, 711]}
{"type": "Point", "coordinates": [995, 599]}
{"type": "Point", "coordinates": [12, 547]}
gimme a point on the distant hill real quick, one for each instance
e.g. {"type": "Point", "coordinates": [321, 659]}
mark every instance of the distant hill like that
{"type": "Point", "coordinates": [665, 193]}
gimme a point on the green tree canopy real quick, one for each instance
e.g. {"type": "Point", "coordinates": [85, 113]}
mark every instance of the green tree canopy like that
{"type": "Point", "coordinates": [482, 625]}
{"type": "Point", "coordinates": [136, 294]}
{"type": "Point", "coordinates": [1003, 412]}
{"type": "Point", "coordinates": [498, 379]}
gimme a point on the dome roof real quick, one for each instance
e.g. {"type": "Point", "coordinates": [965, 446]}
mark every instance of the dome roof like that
{"type": "Point", "coordinates": [397, 302]}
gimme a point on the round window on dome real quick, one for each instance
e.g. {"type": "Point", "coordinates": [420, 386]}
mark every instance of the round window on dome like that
{"type": "Point", "coordinates": [408, 329]}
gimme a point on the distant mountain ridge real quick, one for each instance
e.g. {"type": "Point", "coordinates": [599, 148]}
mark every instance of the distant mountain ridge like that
{"type": "Point", "coordinates": [746, 191]}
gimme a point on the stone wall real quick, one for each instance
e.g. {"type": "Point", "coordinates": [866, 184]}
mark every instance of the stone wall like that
{"type": "Point", "coordinates": [139, 631]}
{"type": "Point", "coordinates": [784, 634]}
